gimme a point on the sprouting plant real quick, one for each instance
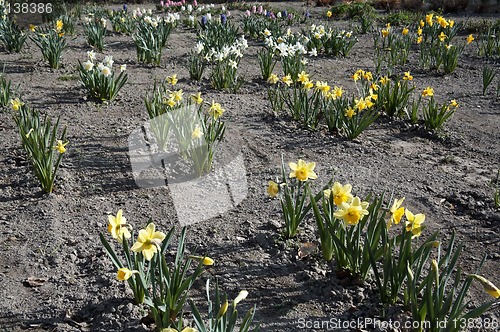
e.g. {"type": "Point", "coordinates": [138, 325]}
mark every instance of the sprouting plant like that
{"type": "Point", "coordinates": [160, 283]}
{"type": "Point", "coordinates": [440, 295]}
{"type": "Point", "coordinates": [51, 43]}
{"type": "Point", "coordinates": [41, 143]}
{"type": "Point", "coordinates": [11, 36]}
{"type": "Point", "coordinates": [95, 30]}
{"type": "Point", "coordinates": [222, 314]}
{"type": "Point", "coordinates": [435, 115]}
{"type": "Point", "coordinates": [151, 37]}
{"type": "Point", "coordinates": [267, 62]}
{"type": "Point", "coordinates": [489, 74]}
{"type": "Point", "coordinates": [5, 91]}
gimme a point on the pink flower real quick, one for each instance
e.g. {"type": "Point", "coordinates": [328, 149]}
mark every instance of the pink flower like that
{"type": "Point", "coordinates": [260, 10]}
{"type": "Point", "coordinates": [195, 3]}
{"type": "Point", "coordinates": [247, 13]}
{"type": "Point", "coordinates": [254, 9]}
{"type": "Point", "coordinates": [161, 3]}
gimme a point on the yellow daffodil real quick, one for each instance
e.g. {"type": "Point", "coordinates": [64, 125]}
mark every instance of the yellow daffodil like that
{"type": "Point", "coordinates": [148, 241]}
{"type": "Point", "coordinates": [368, 101]}
{"type": "Point", "coordinates": [170, 102]}
{"type": "Point", "coordinates": [451, 23]}
{"type": "Point", "coordinates": [397, 212]}
{"type": "Point", "coordinates": [302, 170]}
{"type": "Point", "coordinates": [350, 112]}
{"type": "Point", "coordinates": [172, 79]}
{"type": "Point", "coordinates": [374, 87]}
{"type": "Point", "coordinates": [117, 226]}
{"type": "Point", "coordinates": [414, 222]}
{"type": "Point", "coordinates": [453, 103]}
{"type": "Point", "coordinates": [488, 286]}
{"type": "Point", "coordinates": [419, 39]}
{"type": "Point", "coordinates": [329, 14]}
{"type": "Point", "coordinates": [59, 25]}
{"type": "Point", "coordinates": [421, 24]}
{"type": "Point", "coordinates": [207, 261]}
{"type": "Point", "coordinates": [368, 76]}
{"type": "Point", "coordinates": [241, 296]}
{"type": "Point", "coordinates": [32, 27]}
{"type": "Point", "coordinates": [360, 104]}
{"type": "Point", "coordinates": [124, 273]}
{"type": "Point", "coordinates": [442, 22]}
{"type": "Point", "coordinates": [273, 79]}
{"type": "Point", "coordinates": [177, 95]}
{"type": "Point", "coordinates": [222, 310]}
{"type": "Point", "coordinates": [323, 87]}
{"type": "Point", "coordinates": [337, 91]}
{"type": "Point", "coordinates": [303, 77]}
{"type": "Point", "coordinates": [197, 98]}
{"type": "Point", "coordinates": [341, 193]}
{"type": "Point", "coordinates": [351, 213]}
{"type": "Point", "coordinates": [216, 110]}
{"type": "Point", "coordinates": [405, 31]}
{"type": "Point", "coordinates": [61, 147]}
{"type": "Point", "coordinates": [470, 39]}
{"type": "Point", "coordinates": [186, 329]}
{"type": "Point", "coordinates": [442, 36]}
{"type": "Point", "coordinates": [356, 76]}
{"type": "Point", "coordinates": [287, 80]}
{"type": "Point", "coordinates": [428, 92]}
{"type": "Point", "coordinates": [408, 76]}
{"type": "Point", "coordinates": [385, 32]}
{"type": "Point", "coordinates": [384, 80]}
{"type": "Point", "coordinates": [428, 19]}
{"type": "Point", "coordinates": [308, 85]}
{"type": "Point", "coordinates": [419, 31]}
{"type": "Point", "coordinates": [197, 133]}
{"type": "Point", "coordinates": [272, 189]}
{"type": "Point", "coordinates": [16, 104]}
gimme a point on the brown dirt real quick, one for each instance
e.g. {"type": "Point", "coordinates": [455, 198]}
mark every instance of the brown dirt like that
{"type": "Point", "coordinates": [446, 177]}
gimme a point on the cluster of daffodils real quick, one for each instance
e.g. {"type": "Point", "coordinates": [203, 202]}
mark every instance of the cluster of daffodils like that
{"type": "Point", "coordinates": [287, 45]}
{"type": "Point", "coordinates": [350, 209]}
{"type": "Point", "coordinates": [357, 234]}
{"type": "Point", "coordinates": [99, 79]}
{"type": "Point", "coordinates": [138, 12]}
{"type": "Point", "coordinates": [310, 103]}
{"type": "Point", "coordinates": [331, 41]}
{"type": "Point", "coordinates": [90, 20]}
{"type": "Point", "coordinates": [438, 46]}
{"type": "Point", "coordinates": [105, 67]}
{"type": "Point", "coordinates": [233, 52]}
{"type": "Point", "coordinates": [152, 278]}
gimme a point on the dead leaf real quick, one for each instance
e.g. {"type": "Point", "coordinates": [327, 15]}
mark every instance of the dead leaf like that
{"type": "Point", "coordinates": [307, 249]}
{"type": "Point", "coordinates": [34, 282]}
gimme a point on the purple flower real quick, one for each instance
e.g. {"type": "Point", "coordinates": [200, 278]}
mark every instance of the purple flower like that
{"type": "Point", "coordinates": [284, 13]}
{"type": "Point", "coordinates": [307, 14]}
{"type": "Point", "coordinates": [125, 7]}
{"type": "Point", "coordinates": [223, 19]}
{"type": "Point", "coordinates": [203, 20]}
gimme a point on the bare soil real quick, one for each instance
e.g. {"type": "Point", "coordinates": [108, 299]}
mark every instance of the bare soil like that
{"type": "Point", "coordinates": [56, 237]}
